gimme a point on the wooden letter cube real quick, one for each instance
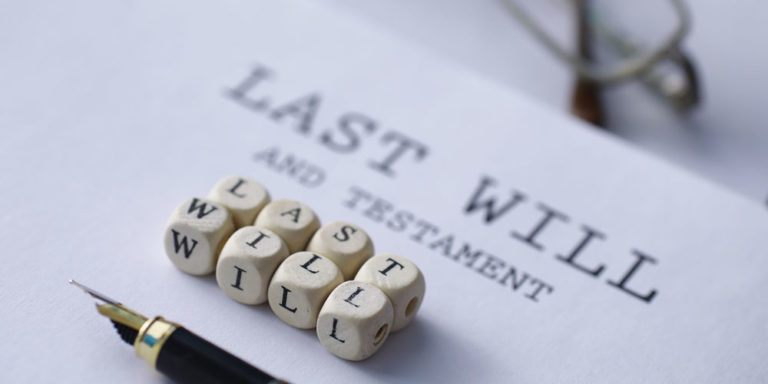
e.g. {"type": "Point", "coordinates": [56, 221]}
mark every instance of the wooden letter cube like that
{"type": "Point", "coordinates": [247, 262]}
{"type": "Point", "coordinates": [299, 288]}
{"type": "Point", "coordinates": [242, 196]}
{"type": "Point", "coordinates": [195, 233]}
{"type": "Point", "coordinates": [400, 280]}
{"type": "Point", "coordinates": [355, 320]}
{"type": "Point", "coordinates": [345, 244]}
{"type": "Point", "coordinates": [294, 222]}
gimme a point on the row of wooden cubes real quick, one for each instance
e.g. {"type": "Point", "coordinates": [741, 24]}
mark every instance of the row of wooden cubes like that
{"type": "Point", "coordinates": [312, 276]}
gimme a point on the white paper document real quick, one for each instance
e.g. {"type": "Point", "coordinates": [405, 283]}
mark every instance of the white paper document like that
{"type": "Point", "coordinates": [552, 252]}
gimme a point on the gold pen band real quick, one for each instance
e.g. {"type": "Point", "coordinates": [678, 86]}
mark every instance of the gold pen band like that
{"type": "Point", "coordinates": [152, 335]}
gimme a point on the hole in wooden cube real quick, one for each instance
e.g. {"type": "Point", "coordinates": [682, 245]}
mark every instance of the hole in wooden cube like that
{"type": "Point", "coordinates": [345, 244]}
{"type": "Point", "coordinates": [293, 221]}
{"type": "Point", "coordinates": [381, 334]}
{"type": "Point", "coordinates": [195, 233]}
{"type": "Point", "coordinates": [355, 320]}
{"type": "Point", "coordinates": [400, 280]}
{"type": "Point", "coordinates": [411, 306]}
{"type": "Point", "coordinates": [247, 262]}
{"type": "Point", "coordinates": [299, 287]}
{"type": "Point", "coordinates": [242, 196]}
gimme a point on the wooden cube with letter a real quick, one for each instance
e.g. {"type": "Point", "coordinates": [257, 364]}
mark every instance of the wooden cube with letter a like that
{"type": "Point", "coordinates": [195, 234]}
{"type": "Point", "coordinates": [293, 221]}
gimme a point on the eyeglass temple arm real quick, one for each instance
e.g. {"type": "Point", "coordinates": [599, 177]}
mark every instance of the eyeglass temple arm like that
{"type": "Point", "coordinates": [585, 100]}
{"type": "Point", "coordinates": [632, 68]}
{"type": "Point", "coordinates": [682, 98]}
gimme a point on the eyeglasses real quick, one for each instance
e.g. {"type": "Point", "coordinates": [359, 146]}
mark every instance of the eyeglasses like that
{"type": "Point", "coordinates": [610, 51]}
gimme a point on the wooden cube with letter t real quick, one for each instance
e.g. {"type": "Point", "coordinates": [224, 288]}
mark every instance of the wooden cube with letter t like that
{"type": "Point", "coordinates": [401, 280]}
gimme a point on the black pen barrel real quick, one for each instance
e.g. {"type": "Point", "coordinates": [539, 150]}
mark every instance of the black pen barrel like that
{"type": "Point", "coordinates": [188, 358]}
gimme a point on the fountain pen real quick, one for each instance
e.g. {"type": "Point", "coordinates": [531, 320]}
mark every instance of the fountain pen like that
{"type": "Point", "coordinates": [176, 352]}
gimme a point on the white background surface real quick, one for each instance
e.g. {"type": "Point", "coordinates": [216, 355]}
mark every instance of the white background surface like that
{"type": "Point", "coordinates": [113, 113]}
{"type": "Point", "coordinates": [726, 140]}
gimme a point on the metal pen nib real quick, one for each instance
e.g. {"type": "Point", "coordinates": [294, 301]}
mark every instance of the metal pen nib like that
{"type": "Point", "coordinates": [96, 295]}
{"type": "Point", "coordinates": [127, 322]}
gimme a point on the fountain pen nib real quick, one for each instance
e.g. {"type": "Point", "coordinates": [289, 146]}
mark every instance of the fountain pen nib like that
{"type": "Point", "coordinates": [96, 295]}
{"type": "Point", "coordinates": [127, 322]}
